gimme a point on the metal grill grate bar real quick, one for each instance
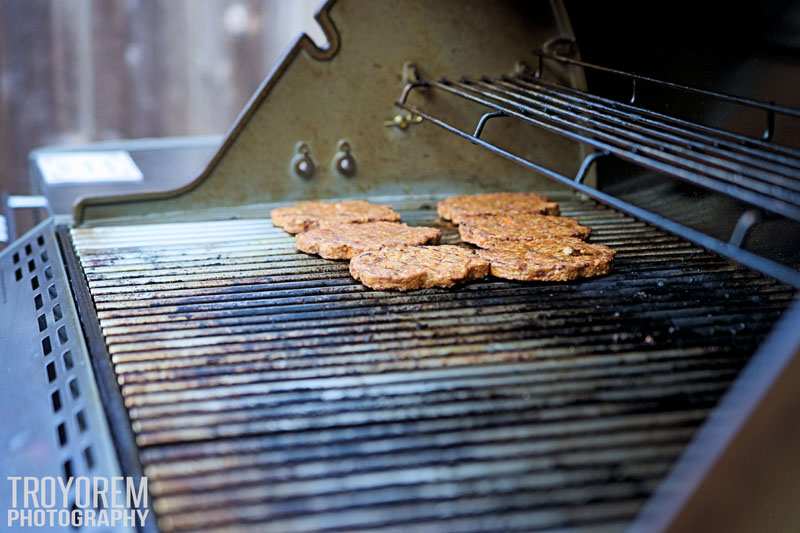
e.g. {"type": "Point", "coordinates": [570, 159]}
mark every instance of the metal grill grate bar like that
{"type": "Point", "coordinates": [759, 172]}
{"type": "Point", "coordinates": [676, 160]}
{"type": "Point", "coordinates": [267, 388]}
{"type": "Point", "coordinates": [752, 151]}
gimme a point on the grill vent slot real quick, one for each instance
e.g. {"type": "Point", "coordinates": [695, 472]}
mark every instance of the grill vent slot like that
{"type": "Point", "coordinates": [57, 363]}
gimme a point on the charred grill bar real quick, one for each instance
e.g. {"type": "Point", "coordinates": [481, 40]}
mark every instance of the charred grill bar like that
{"type": "Point", "coordinates": [267, 388]}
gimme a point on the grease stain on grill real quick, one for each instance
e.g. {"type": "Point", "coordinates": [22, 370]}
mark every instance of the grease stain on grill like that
{"type": "Point", "coordinates": [267, 387]}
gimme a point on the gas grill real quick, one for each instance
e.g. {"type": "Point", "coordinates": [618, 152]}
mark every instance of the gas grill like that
{"type": "Point", "coordinates": [180, 336]}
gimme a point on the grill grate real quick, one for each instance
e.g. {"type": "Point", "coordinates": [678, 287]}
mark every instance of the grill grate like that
{"type": "Point", "coordinates": [269, 390]}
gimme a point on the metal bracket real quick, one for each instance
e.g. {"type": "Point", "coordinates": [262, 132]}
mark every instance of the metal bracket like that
{"type": "Point", "coordinates": [587, 163]}
{"type": "Point", "coordinates": [411, 80]}
{"type": "Point", "coordinates": [561, 46]}
{"type": "Point", "coordinates": [769, 131]}
{"type": "Point", "coordinates": [486, 117]}
{"type": "Point", "coordinates": [746, 221]}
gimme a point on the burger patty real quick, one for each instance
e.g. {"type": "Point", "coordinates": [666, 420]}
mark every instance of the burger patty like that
{"type": "Point", "coordinates": [417, 267]}
{"type": "Point", "coordinates": [456, 208]}
{"type": "Point", "coordinates": [549, 259]}
{"type": "Point", "coordinates": [303, 216]}
{"type": "Point", "coordinates": [495, 231]}
{"type": "Point", "coordinates": [343, 241]}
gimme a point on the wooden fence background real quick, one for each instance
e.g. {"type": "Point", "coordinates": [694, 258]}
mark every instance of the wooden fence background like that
{"type": "Point", "coordinates": [75, 71]}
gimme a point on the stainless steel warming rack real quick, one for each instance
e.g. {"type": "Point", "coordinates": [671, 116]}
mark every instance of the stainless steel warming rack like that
{"type": "Point", "coordinates": [179, 335]}
{"type": "Point", "coordinates": [757, 172]}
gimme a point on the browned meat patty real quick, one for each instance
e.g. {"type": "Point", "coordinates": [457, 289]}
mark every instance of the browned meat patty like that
{"type": "Point", "coordinates": [456, 208]}
{"type": "Point", "coordinates": [303, 216]}
{"type": "Point", "coordinates": [592, 259]}
{"type": "Point", "coordinates": [417, 267]}
{"type": "Point", "coordinates": [549, 259]}
{"type": "Point", "coordinates": [494, 231]}
{"type": "Point", "coordinates": [343, 241]}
